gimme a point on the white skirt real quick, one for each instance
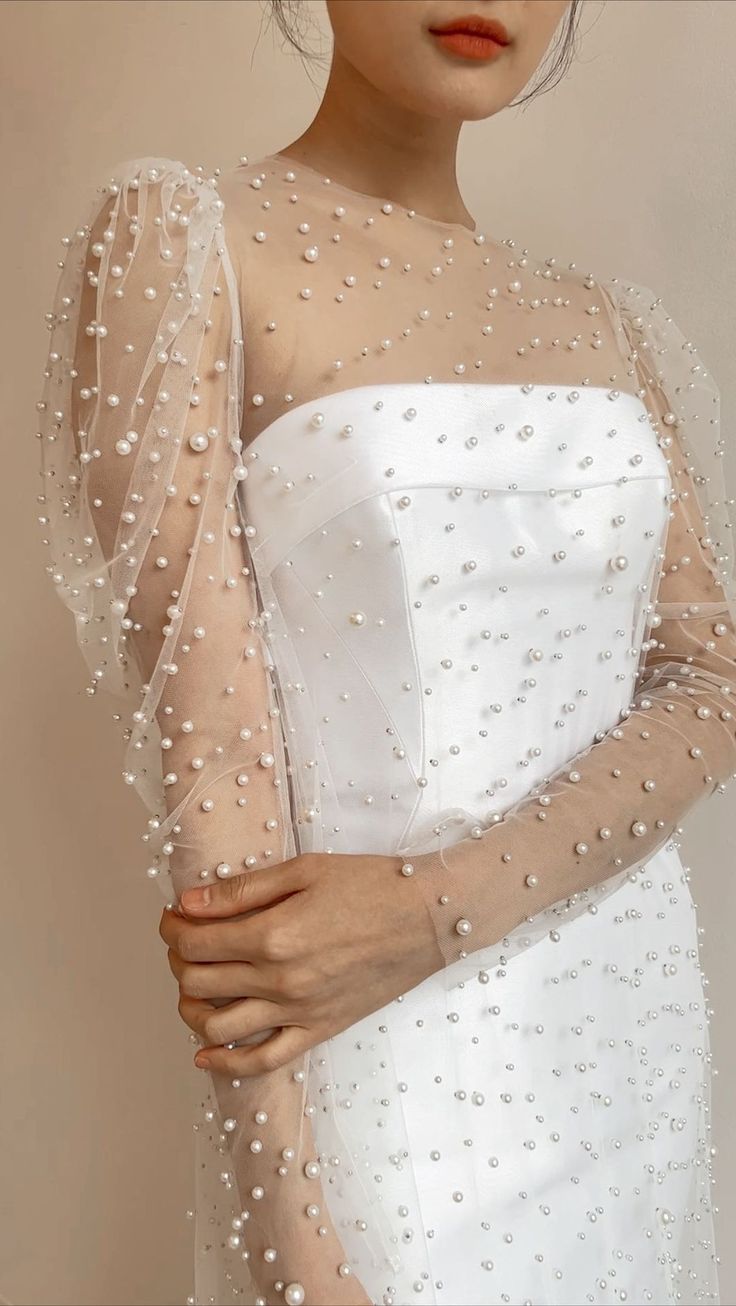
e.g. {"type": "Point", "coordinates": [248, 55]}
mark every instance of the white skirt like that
{"type": "Point", "coordinates": [558, 1116]}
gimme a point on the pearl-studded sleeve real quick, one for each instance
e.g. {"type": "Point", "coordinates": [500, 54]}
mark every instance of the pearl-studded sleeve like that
{"type": "Point", "coordinates": [141, 462]}
{"type": "Point", "coordinates": [571, 840]}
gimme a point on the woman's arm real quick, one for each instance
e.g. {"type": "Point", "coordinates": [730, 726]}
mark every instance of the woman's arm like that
{"type": "Point", "coordinates": [140, 428]}
{"type": "Point", "coordinates": [600, 817]}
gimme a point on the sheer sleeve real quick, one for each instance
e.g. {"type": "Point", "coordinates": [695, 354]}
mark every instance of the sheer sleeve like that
{"type": "Point", "coordinates": [502, 886]}
{"type": "Point", "coordinates": [141, 464]}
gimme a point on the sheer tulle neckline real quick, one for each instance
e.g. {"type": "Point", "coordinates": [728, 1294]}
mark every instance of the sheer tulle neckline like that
{"type": "Point", "coordinates": [335, 185]}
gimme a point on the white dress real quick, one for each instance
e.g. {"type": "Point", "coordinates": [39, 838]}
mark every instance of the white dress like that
{"type": "Point", "coordinates": [387, 537]}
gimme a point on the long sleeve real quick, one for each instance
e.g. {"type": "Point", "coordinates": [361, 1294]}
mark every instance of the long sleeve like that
{"type": "Point", "coordinates": [140, 425]}
{"type": "Point", "coordinates": [574, 837]}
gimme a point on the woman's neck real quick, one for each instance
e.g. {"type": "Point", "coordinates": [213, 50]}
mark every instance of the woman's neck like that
{"type": "Point", "coordinates": [369, 143]}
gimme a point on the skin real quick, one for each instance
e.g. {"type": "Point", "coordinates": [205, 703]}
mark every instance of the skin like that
{"type": "Point", "coordinates": [274, 954]}
{"type": "Point", "coordinates": [395, 99]}
{"type": "Point", "coordinates": [287, 944]}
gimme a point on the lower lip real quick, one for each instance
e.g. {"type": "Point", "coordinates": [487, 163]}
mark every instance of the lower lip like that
{"type": "Point", "coordinates": [469, 45]}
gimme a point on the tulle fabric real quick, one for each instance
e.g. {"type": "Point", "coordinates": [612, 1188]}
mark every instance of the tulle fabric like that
{"type": "Point", "coordinates": [574, 837]}
{"type": "Point", "coordinates": [141, 463]}
{"type": "Point", "coordinates": [176, 340]}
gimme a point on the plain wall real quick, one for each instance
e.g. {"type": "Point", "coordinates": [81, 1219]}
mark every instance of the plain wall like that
{"type": "Point", "coordinates": [626, 168]}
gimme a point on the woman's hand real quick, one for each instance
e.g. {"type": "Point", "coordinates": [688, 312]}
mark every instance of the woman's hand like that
{"type": "Point", "coordinates": [306, 948]}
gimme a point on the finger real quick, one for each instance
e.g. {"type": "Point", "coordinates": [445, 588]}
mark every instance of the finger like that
{"type": "Point", "coordinates": [237, 1020]}
{"type": "Point", "coordinates": [227, 979]}
{"type": "Point", "coordinates": [257, 939]}
{"type": "Point", "coordinates": [167, 924]}
{"type": "Point", "coordinates": [201, 941]}
{"type": "Point", "coordinates": [175, 929]}
{"type": "Point", "coordinates": [235, 894]}
{"type": "Point", "coordinates": [241, 1020]}
{"type": "Point", "coordinates": [194, 1012]}
{"type": "Point", "coordinates": [284, 1046]}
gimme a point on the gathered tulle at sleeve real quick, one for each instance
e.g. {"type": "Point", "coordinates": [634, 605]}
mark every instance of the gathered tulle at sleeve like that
{"type": "Point", "coordinates": [141, 462]}
{"type": "Point", "coordinates": [572, 839]}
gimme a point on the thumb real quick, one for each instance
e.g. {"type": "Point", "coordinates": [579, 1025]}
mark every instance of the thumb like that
{"type": "Point", "coordinates": [249, 891]}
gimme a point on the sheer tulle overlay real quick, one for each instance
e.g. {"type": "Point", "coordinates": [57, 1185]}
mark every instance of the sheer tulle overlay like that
{"type": "Point", "coordinates": [382, 535]}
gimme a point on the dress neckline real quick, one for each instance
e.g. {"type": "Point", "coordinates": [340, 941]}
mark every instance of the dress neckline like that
{"type": "Point", "coordinates": [334, 184]}
{"type": "Point", "coordinates": [252, 448]}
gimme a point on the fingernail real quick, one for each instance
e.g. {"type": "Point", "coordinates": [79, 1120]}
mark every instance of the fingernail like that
{"type": "Point", "coordinates": [201, 1062]}
{"type": "Point", "coordinates": [193, 899]}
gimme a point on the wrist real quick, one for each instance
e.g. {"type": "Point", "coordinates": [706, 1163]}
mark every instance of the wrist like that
{"type": "Point", "coordinates": [441, 879]}
{"type": "Point", "coordinates": [413, 879]}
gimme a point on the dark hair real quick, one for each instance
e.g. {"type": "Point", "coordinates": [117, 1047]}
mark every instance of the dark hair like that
{"type": "Point", "coordinates": [289, 14]}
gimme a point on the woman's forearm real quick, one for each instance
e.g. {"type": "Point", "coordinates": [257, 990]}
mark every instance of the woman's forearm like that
{"type": "Point", "coordinates": [602, 814]}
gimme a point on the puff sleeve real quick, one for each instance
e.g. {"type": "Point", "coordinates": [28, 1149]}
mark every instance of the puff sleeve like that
{"type": "Point", "coordinates": [141, 462]}
{"type": "Point", "coordinates": [573, 838]}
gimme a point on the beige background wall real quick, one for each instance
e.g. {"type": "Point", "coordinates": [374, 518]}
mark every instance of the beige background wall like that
{"type": "Point", "coordinates": [627, 167]}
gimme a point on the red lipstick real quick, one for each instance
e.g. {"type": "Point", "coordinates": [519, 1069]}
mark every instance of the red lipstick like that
{"type": "Point", "coordinates": [472, 37]}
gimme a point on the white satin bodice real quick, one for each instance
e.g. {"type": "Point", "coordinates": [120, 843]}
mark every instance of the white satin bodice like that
{"type": "Point", "coordinates": [457, 578]}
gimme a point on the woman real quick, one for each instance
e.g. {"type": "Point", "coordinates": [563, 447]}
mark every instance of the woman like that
{"type": "Point", "coordinates": [404, 554]}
